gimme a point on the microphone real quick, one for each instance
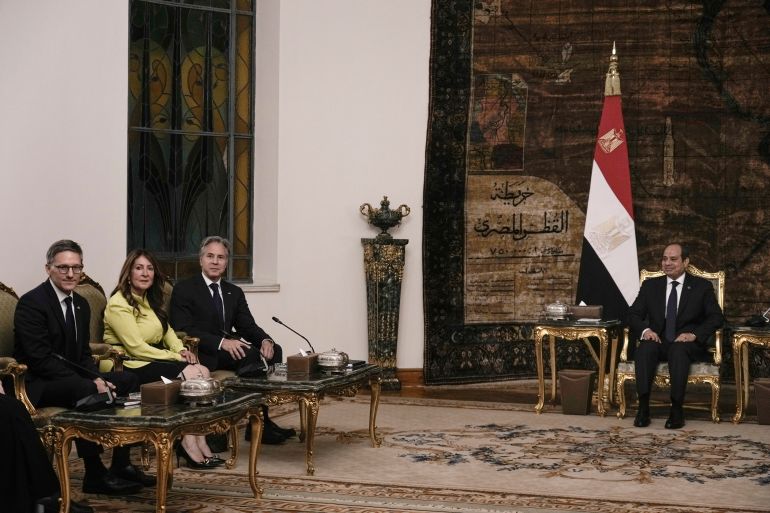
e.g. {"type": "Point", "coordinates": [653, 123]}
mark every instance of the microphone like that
{"type": "Point", "coordinates": [92, 399]}
{"type": "Point", "coordinates": [276, 319]}
{"type": "Point", "coordinates": [87, 372]}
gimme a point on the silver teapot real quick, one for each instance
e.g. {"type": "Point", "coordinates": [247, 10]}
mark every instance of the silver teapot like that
{"type": "Point", "coordinates": [333, 360]}
{"type": "Point", "coordinates": [557, 311]}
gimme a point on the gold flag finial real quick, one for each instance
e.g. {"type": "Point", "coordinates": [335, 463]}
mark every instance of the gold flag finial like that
{"type": "Point", "coordinates": [612, 82]}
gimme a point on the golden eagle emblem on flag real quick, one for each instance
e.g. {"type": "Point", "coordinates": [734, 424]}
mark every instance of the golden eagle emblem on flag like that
{"type": "Point", "coordinates": [611, 140]}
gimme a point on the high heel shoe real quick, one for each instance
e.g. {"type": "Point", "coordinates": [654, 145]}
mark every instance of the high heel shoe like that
{"type": "Point", "coordinates": [216, 460]}
{"type": "Point", "coordinates": [206, 464]}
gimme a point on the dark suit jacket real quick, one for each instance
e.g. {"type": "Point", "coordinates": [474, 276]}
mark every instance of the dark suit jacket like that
{"type": "Point", "coordinates": [39, 332]}
{"type": "Point", "coordinates": [192, 311]}
{"type": "Point", "coordinates": [698, 312]}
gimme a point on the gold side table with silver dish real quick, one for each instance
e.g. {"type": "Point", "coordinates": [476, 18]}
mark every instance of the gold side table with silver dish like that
{"type": "Point", "coordinates": [608, 332]}
{"type": "Point", "coordinates": [160, 425]}
{"type": "Point", "coordinates": [307, 391]}
{"type": "Point", "coordinates": [743, 337]}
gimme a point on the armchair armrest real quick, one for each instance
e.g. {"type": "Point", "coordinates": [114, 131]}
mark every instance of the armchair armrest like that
{"type": "Point", "coordinates": [717, 347]}
{"type": "Point", "coordinates": [10, 367]}
{"type": "Point", "coordinates": [101, 351]}
{"type": "Point", "coordinates": [191, 343]}
{"type": "Point", "coordinates": [624, 351]}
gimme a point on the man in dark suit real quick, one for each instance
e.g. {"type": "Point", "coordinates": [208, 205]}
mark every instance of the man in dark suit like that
{"type": "Point", "coordinates": [215, 310]}
{"type": "Point", "coordinates": [674, 317]}
{"type": "Point", "coordinates": [52, 320]}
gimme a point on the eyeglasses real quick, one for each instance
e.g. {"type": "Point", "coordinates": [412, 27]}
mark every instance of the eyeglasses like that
{"type": "Point", "coordinates": [64, 269]}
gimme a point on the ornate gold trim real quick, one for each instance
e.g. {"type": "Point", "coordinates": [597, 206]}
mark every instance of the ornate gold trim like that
{"type": "Point", "coordinates": [574, 333]}
{"type": "Point", "coordinates": [741, 343]}
{"type": "Point", "coordinates": [8, 290]}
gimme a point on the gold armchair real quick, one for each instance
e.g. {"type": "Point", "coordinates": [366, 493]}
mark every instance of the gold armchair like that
{"type": "Point", "coordinates": [9, 367]}
{"type": "Point", "coordinates": [700, 372]}
{"type": "Point", "coordinates": [107, 357]}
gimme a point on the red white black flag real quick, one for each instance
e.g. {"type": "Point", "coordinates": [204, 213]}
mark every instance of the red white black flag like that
{"type": "Point", "coordinates": [609, 268]}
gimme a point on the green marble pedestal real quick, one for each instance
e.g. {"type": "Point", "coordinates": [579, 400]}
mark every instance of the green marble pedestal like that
{"type": "Point", "coordinates": [384, 264]}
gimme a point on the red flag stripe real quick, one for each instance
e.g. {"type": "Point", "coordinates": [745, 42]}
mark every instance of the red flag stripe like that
{"type": "Point", "coordinates": [611, 152]}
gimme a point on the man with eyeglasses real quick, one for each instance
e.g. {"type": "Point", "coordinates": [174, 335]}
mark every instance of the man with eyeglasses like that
{"type": "Point", "coordinates": [52, 321]}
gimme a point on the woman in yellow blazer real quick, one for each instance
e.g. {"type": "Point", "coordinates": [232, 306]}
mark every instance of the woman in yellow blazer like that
{"type": "Point", "coordinates": [136, 320]}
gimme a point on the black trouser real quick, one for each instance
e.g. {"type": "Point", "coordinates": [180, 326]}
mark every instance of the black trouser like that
{"type": "Point", "coordinates": [679, 356]}
{"type": "Point", "coordinates": [66, 392]}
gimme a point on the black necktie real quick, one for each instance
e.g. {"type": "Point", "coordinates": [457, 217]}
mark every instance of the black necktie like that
{"type": "Point", "coordinates": [218, 304]}
{"type": "Point", "coordinates": [671, 313]}
{"type": "Point", "coordinates": [69, 329]}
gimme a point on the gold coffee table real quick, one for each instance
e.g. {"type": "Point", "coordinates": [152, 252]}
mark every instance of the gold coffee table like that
{"type": "Point", "coordinates": [308, 392]}
{"type": "Point", "coordinates": [161, 426]}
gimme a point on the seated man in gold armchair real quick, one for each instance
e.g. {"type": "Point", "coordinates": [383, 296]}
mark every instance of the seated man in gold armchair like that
{"type": "Point", "coordinates": [674, 317]}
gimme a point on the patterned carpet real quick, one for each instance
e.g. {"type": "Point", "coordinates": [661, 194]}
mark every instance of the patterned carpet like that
{"type": "Point", "coordinates": [461, 457]}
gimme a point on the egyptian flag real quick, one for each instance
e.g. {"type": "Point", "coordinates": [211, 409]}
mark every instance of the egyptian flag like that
{"type": "Point", "coordinates": [609, 269]}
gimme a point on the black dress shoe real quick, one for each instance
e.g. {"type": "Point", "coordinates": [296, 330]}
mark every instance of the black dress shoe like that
{"type": "Point", "coordinates": [675, 418]}
{"type": "Point", "coordinates": [642, 419]}
{"type": "Point", "coordinates": [270, 436]}
{"type": "Point", "coordinates": [51, 505]}
{"type": "Point", "coordinates": [109, 484]}
{"type": "Point", "coordinates": [674, 423]}
{"type": "Point", "coordinates": [134, 474]}
{"type": "Point", "coordinates": [286, 432]}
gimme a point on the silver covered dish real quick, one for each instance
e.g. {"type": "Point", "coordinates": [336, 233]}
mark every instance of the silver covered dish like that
{"type": "Point", "coordinates": [557, 311]}
{"type": "Point", "coordinates": [200, 390]}
{"type": "Point", "coordinates": [333, 360]}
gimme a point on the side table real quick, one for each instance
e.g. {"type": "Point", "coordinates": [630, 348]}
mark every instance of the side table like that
{"type": "Point", "coordinates": [605, 331]}
{"type": "Point", "coordinates": [743, 337]}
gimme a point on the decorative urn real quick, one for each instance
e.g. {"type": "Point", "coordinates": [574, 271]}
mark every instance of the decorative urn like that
{"type": "Point", "coordinates": [333, 360]}
{"type": "Point", "coordinates": [384, 218]}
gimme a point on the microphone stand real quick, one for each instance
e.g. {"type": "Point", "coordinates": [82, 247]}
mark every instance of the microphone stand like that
{"type": "Point", "coordinates": [276, 319]}
{"type": "Point", "coordinates": [88, 372]}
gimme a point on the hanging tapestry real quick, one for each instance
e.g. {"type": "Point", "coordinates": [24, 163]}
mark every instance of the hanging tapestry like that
{"type": "Point", "coordinates": [515, 98]}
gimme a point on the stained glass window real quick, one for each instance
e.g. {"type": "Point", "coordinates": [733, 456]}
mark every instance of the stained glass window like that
{"type": "Point", "coordinates": [191, 130]}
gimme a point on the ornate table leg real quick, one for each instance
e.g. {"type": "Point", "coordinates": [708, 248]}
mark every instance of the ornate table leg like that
{"type": "Point", "coordinates": [375, 384]}
{"type": "Point", "coordinates": [737, 361]}
{"type": "Point", "coordinates": [60, 444]}
{"type": "Point", "coordinates": [540, 379]}
{"type": "Point", "coordinates": [552, 351]}
{"type": "Point", "coordinates": [232, 444]}
{"type": "Point", "coordinates": [602, 363]}
{"type": "Point", "coordinates": [302, 420]}
{"type": "Point", "coordinates": [614, 341]}
{"type": "Point", "coordinates": [163, 447]}
{"type": "Point", "coordinates": [311, 407]}
{"type": "Point", "coordinates": [256, 424]}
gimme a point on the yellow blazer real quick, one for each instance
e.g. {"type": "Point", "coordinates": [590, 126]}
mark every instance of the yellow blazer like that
{"type": "Point", "coordinates": [140, 335]}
